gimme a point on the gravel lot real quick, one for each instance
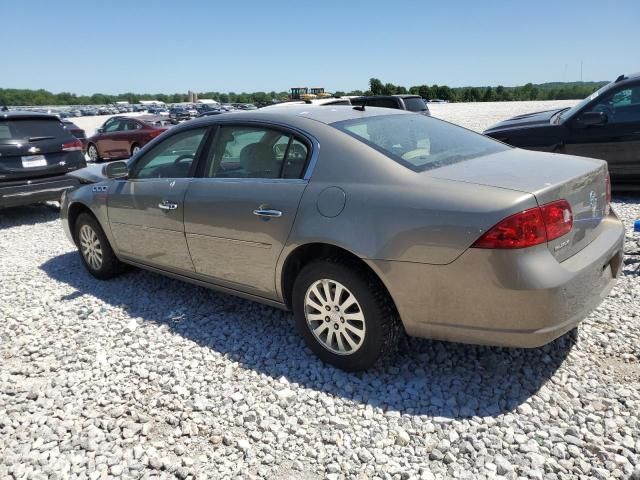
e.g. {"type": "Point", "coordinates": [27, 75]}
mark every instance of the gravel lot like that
{"type": "Point", "coordinates": [147, 377]}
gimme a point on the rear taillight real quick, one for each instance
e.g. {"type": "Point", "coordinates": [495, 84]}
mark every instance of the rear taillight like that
{"type": "Point", "coordinates": [524, 229]}
{"type": "Point", "coordinates": [74, 146]}
{"type": "Point", "coordinates": [529, 227]}
{"type": "Point", "coordinates": [155, 133]}
{"type": "Point", "coordinates": [558, 218]}
{"type": "Point", "coordinates": [607, 185]}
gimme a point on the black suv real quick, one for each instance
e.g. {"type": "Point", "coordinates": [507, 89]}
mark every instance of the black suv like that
{"type": "Point", "coordinates": [36, 151]}
{"type": "Point", "coordinates": [412, 103]}
{"type": "Point", "coordinates": [605, 125]}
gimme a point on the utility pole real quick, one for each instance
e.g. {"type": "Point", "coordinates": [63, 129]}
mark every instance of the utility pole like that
{"type": "Point", "coordinates": [580, 70]}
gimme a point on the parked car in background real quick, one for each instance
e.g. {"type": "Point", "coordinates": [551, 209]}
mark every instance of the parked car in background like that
{"type": "Point", "coordinates": [210, 113]}
{"type": "Point", "coordinates": [36, 151]}
{"type": "Point", "coordinates": [121, 137]}
{"type": "Point", "coordinates": [326, 102]}
{"type": "Point", "coordinates": [158, 111]}
{"type": "Point", "coordinates": [411, 103]}
{"type": "Point", "coordinates": [179, 114]}
{"type": "Point", "coordinates": [461, 237]}
{"type": "Point", "coordinates": [605, 125]}
{"type": "Point", "coordinates": [77, 132]}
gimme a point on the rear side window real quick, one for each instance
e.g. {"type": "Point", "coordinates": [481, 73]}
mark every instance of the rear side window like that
{"type": "Point", "coordinates": [419, 142]}
{"type": "Point", "coordinates": [32, 129]}
{"type": "Point", "coordinates": [256, 152]}
{"type": "Point", "coordinates": [415, 104]}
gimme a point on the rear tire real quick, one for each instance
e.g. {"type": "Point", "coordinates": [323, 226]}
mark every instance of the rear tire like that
{"type": "Point", "coordinates": [354, 321]}
{"type": "Point", "coordinates": [135, 148]}
{"type": "Point", "coordinates": [95, 250]}
{"type": "Point", "coordinates": [92, 153]}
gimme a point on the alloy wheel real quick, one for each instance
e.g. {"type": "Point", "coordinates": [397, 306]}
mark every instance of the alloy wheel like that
{"type": "Point", "coordinates": [90, 246]}
{"type": "Point", "coordinates": [335, 317]}
{"type": "Point", "coordinates": [135, 150]}
{"type": "Point", "coordinates": [93, 153]}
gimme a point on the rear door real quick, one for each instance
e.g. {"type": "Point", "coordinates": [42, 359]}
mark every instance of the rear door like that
{"type": "Point", "coordinates": [239, 212]}
{"type": "Point", "coordinates": [618, 140]}
{"type": "Point", "coordinates": [146, 211]}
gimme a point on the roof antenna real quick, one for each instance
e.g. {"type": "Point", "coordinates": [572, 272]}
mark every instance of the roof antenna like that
{"type": "Point", "coordinates": [361, 107]}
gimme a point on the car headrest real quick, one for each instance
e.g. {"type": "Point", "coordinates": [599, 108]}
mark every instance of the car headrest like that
{"type": "Point", "coordinates": [262, 161]}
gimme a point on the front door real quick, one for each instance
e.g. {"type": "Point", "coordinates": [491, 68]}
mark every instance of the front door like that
{"type": "Point", "coordinates": [239, 213]}
{"type": "Point", "coordinates": [617, 141]}
{"type": "Point", "coordinates": [146, 211]}
{"type": "Point", "coordinates": [106, 143]}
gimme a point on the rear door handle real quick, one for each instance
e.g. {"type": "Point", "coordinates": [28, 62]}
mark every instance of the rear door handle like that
{"type": "Point", "coordinates": [167, 205]}
{"type": "Point", "coordinates": [267, 213]}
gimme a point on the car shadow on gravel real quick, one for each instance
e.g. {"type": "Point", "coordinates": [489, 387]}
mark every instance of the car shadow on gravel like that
{"type": "Point", "coordinates": [28, 215]}
{"type": "Point", "coordinates": [441, 379]}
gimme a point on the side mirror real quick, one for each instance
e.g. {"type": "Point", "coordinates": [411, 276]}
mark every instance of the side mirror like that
{"type": "Point", "coordinates": [593, 118]}
{"type": "Point", "coordinates": [116, 170]}
{"type": "Point", "coordinates": [100, 130]}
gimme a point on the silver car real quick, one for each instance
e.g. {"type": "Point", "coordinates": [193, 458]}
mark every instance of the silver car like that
{"type": "Point", "coordinates": [366, 222]}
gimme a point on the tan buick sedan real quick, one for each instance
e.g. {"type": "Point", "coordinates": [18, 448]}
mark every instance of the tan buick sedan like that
{"type": "Point", "coordinates": [363, 221]}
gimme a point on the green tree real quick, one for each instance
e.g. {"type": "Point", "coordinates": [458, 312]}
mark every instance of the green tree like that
{"type": "Point", "coordinates": [376, 86]}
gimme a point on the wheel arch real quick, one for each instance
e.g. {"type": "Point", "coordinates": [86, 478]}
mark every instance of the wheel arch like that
{"type": "Point", "coordinates": [73, 212]}
{"type": "Point", "coordinates": [306, 253]}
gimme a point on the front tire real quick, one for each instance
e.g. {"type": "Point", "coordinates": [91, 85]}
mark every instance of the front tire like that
{"type": "Point", "coordinates": [92, 153]}
{"type": "Point", "coordinates": [135, 149]}
{"type": "Point", "coordinates": [95, 250]}
{"type": "Point", "coordinates": [344, 314]}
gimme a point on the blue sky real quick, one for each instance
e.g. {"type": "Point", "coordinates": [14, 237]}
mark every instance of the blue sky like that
{"type": "Point", "coordinates": [170, 46]}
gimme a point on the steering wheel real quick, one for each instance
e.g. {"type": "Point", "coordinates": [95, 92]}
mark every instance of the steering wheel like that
{"type": "Point", "coordinates": [418, 152]}
{"type": "Point", "coordinates": [187, 156]}
{"type": "Point", "coordinates": [605, 108]}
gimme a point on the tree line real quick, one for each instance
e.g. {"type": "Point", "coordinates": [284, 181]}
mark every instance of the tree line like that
{"type": "Point", "coordinates": [544, 91]}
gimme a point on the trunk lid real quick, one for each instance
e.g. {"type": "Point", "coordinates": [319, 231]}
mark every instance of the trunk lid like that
{"type": "Point", "coordinates": [549, 177]}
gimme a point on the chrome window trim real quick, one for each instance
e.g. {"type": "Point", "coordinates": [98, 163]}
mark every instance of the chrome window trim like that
{"type": "Point", "coordinates": [300, 181]}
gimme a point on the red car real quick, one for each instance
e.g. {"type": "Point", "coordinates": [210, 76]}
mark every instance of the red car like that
{"type": "Point", "coordinates": [122, 137]}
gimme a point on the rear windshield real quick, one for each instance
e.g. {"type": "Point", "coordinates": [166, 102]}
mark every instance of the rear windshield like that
{"type": "Point", "coordinates": [31, 129]}
{"type": "Point", "coordinates": [419, 142]}
{"type": "Point", "coordinates": [415, 104]}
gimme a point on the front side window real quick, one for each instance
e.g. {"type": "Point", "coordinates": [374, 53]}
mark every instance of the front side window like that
{"type": "Point", "coordinates": [112, 126]}
{"type": "Point", "coordinates": [171, 158]}
{"type": "Point", "coordinates": [419, 142]}
{"type": "Point", "coordinates": [622, 106]}
{"type": "Point", "coordinates": [255, 152]}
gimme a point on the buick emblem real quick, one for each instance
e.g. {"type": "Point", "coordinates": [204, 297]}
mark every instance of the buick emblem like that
{"type": "Point", "coordinates": [33, 150]}
{"type": "Point", "coordinates": [593, 201]}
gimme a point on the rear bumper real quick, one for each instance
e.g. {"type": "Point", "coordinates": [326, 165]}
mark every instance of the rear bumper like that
{"type": "Point", "coordinates": [33, 191]}
{"type": "Point", "coordinates": [515, 298]}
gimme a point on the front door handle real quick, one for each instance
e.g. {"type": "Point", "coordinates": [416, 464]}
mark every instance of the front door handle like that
{"type": "Point", "coordinates": [267, 213]}
{"type": "Point", "coordinates": [167, 205]}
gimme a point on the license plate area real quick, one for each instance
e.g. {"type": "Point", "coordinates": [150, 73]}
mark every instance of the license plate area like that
{"type": "Point", "coordinates": [31, 161]}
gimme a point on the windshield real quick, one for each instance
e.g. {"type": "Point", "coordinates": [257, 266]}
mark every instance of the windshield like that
{"type": "Point", "coordinates": [415, 104]}
{"type": "Point", "coordinates": [565, 114]}
{"type": "Point", "coordinates": [31, 129]}
{"type": "Point", "coordinates": [418, 142]}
